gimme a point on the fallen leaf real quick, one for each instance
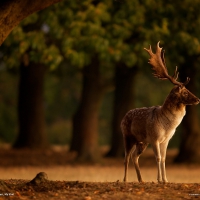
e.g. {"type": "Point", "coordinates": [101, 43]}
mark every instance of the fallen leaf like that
{"type": "Point", "coordinates": [18, 194]}
{"type": "Point", "coordinates": [88, 198]}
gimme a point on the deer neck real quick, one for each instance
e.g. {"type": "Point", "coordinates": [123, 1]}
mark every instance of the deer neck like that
{"type": "Point", "coordinates": [172, 113]}
{"type": "Point", "coordinates": [172, 106]}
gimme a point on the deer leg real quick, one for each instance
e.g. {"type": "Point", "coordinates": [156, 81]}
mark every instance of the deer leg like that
{"type": "Point", "coordinates": [129, 148]}
{"type": "Point", "coordinates": [126, 162]}
{"type": "Point", "coordinates": [140, 147]}
{"type": "Point", "coordinates": [163, 149]}
{"type": "Point", "coordinates": [156, 149]}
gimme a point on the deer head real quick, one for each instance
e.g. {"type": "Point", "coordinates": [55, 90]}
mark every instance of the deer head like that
{"type": "Point", "coordinates": [157, 61]}
{"type": "Point", "coordinates": [179, 94]}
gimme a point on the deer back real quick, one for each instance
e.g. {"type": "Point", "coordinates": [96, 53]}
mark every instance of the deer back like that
{"type": "Point", "coordinates": [136, 122]}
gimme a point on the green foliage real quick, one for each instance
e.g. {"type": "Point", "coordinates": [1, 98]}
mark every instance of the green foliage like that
{"type": "Point", "coordinates": [114, 31]}
{"type": "Point", "coordinates": [29, 39]}
{"type": "Point", "coordinates": [182, 22]}
{"type": "Point", "coordinates": [32, 19]}
{"type": "Point", "coordinates": [97, 28]}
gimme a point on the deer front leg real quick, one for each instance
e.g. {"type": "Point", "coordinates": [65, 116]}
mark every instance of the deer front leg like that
{"type": "Point", "coordinates": [163, 149]}
{"type": "Point", "coordinates": [156, 149]}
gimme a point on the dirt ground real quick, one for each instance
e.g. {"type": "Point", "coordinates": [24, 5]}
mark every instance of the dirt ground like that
{"type": "Point", "coordinates": [69, 180]}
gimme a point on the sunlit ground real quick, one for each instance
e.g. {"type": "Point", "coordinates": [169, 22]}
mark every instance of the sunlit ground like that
{"type": "Point", "coordinates": [108, 171]}
{"type": "Point", "coordinates": [100, 174]}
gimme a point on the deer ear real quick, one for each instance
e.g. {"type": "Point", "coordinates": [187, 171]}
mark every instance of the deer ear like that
{"type": "Point", "coordinates": [177, 89]}
{"type": "Point", "coordinates": [180, 87]}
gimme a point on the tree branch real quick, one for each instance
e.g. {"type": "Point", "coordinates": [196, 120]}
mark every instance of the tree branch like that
{"type": "Point", "coordinates": [12, 12]}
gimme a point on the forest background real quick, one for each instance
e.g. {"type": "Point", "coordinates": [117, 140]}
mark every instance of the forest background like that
{"type": "Point", "coordinates": [69, 73]}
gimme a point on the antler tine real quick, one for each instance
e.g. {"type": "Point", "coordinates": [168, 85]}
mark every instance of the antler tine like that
{"type": "Point", "coordinates": [163, 57]}
{"type": "Point", "coordinates": [149, 50]}
{"type": "Point", "coordinates": [157, 61]}
{"type": "Point", "coordinates": [187, 81]}
{"type": "Point", "coordinates": [176, 73]}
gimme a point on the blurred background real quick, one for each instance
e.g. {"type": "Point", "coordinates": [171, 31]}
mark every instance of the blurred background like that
{"type": "Point", "coordinates": [69, 73]}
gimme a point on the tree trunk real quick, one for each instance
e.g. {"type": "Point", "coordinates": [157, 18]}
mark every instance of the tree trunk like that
{"type": "Point", "coordinates": [12, 12]}
{"type": "Point", "coordinates": [31, 116]}
{"type": "Point", "coordinates": [123, 102]}
{"type": "Point", "coordinates": [189, 150]}
{"type": "Point", "coordinates": [85, 121]}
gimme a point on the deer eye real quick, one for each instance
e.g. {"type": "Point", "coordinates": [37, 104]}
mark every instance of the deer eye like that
{"type": "Point", "coordinates": [185, 93]}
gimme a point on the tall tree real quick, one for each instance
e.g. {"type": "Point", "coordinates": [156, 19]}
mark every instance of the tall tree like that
{"type": "Point", "coordinates": [86, 47]}
{"type": "Point", "coordinates": [85, 120]}
{"type": "Point", "coordinates": [31, 47]}
{"type": "Point", "coordinates": [123, 101]}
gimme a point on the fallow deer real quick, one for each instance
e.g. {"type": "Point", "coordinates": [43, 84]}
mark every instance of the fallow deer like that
{"type": "Point", "coordinates": [155, 125]}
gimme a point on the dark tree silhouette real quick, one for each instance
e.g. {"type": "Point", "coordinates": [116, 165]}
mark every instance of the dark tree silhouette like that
{"type": "Point", "coordinates": [31, 118]}
{"type": "Point", "coordinates": [123, 102]}
{"type": "Point", "coordinates": [189, 150]}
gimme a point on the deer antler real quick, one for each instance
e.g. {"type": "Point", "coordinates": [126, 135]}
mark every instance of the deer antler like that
{"type": "Point", "coordinates": [157, 61]}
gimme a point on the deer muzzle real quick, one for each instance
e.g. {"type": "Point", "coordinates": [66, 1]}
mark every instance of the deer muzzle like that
{"type": "Point", "coordinates": [197, 101]}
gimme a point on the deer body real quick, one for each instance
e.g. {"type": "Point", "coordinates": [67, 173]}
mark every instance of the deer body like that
{"type": "Point", "coordinates": [155, 125]}
{"type": "Point", "coordinates": [149, 124]}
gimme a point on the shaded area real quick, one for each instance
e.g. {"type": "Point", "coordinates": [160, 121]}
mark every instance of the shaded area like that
{"type": "Point", "coordinates": [189, 148]}
{"type": "Point", "coordinates": [58, 155]}
{"type": "Point", "coordinates": [42, 157]}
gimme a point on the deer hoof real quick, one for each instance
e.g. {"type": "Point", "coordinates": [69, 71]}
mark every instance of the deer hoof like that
{"type": "Point", "coordinates": [141, 181]}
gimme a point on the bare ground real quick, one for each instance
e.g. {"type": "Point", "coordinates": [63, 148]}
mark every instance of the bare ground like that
{"type": "Point", "coordinates": [69, 180]}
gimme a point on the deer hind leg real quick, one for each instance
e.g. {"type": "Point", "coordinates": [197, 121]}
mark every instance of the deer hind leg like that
{"type": "Point", "coordinates": [129, 144]}
{"type": "Point", "coordinates": [140, 147]}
